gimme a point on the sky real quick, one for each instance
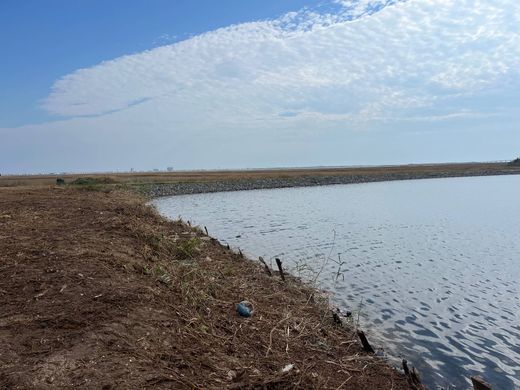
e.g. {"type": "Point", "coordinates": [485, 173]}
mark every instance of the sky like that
{"type": "Point", "coordinates": [94, 85]}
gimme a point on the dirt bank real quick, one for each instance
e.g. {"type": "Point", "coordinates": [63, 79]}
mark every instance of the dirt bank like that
{"type": "Point", "coordinates": [98, 291]}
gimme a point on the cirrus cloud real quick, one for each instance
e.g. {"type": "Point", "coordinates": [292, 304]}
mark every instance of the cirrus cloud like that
{"type": "Point", "coordinates": [404, 56]}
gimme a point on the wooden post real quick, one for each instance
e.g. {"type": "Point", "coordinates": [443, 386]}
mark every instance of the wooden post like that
{"type": "Point", "coordinates": [266, 267]}
{"type": "Point", "coordinates": [416, 379]}
{"type": "Point", "coordinates": [336, 318]}
{"type": "Point", "coordinates": [405, 368]}
{"type": "Point", "coordinates": [240, 253]}
{"type": "Point", "coordinates": [412, 376]}
{"type": "Point", "coordinates": [479, 383]}
{"type": "Point", "coordinates": [279, 264]}
{"type": "Point", "coordinates": [366, 345]}
{"type": "Point", "coordinates": [206, 229]}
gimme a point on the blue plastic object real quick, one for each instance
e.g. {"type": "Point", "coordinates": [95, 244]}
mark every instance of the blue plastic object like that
{"type": "Point", "coordinates": [245, 309]}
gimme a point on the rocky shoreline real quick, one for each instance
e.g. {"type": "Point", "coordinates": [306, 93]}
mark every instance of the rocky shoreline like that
{"type": "Point", "coordinates": [156, 190]}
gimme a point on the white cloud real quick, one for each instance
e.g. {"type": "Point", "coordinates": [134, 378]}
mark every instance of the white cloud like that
{"type": "Point", "coordinates": [358, 8]}
{"type": "Point", "coordinates": [404, 56]}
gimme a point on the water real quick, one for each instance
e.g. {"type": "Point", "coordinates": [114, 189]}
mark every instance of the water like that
{"type": "Point", "coordinates": [436, 262]}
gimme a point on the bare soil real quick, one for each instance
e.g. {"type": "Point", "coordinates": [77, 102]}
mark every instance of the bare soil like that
{"type": "Point", "coordinates": [98, 291]}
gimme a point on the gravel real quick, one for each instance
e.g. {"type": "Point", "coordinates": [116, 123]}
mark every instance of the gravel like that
{"type": "Point", "coordinates": [156, 190]}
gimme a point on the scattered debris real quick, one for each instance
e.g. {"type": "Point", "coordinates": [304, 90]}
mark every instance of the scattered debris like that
{"type": "Point", "coordinates": [231, 375]}
{"type": "Point", "coordinates": [288, 368]}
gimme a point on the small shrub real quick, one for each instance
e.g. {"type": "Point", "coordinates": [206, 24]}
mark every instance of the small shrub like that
{"type": "Point", "coordinates": [154, 241]}
{"type": "Point", "coordinates": [187, 249]}
{"type": "Point", "coordinates": [515, 162]}
{"type": "Point", "coordinates": [162, 275]}
{"type": "Point", "coordinates": [85, 181]}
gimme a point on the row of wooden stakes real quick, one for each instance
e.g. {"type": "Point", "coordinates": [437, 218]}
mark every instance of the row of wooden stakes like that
{"type": "Point", "coordinates": [411, 374]}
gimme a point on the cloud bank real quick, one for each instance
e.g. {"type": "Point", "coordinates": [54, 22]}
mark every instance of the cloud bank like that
{"type": "Point", "coordinates": [371, 65]}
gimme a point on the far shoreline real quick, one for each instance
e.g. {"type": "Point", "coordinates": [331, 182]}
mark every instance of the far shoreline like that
{"type": "Point", "coordinates": [159, 184]}
{"type": "Point", "coordinates": [317, 178]}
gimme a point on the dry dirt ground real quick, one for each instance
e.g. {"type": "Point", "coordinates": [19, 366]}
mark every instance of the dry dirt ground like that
{"type": "Point", "coordinates": [98, 291]}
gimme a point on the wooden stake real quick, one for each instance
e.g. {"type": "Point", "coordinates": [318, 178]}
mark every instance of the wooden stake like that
{"type": "Point", "coordinates": [412, 376]}
{"type": "Point", "coordinates": [279, 264]}
{"type": "Point", "coordinates": [479, 383]}
{"type": "Point", "coordinates": [266, 267]}
{"type": "Point", "coordinates": [206, 229]}
{"type": "Point", "coordinates": [336, 318]}
{"type": "Point", "coordinates": [405, 368]}
{"type": "Point", "coordinates": [366, 345]}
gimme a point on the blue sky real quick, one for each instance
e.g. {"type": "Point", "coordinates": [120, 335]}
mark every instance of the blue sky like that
{"type": "Point", "coordinates": [44, 40]}
{"type": "Point", "coordinates": [113, 85]}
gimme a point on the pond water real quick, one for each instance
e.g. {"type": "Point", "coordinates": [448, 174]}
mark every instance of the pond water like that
{"type": "Point", "coordinates": [433, 265]}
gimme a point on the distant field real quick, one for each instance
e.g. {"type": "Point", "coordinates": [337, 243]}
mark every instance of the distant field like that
{"type": "Point", "coordinates": [224, 175]}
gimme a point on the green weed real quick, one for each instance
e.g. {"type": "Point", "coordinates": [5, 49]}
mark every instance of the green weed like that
{"type": "Point", "coordinates": [189, 248]}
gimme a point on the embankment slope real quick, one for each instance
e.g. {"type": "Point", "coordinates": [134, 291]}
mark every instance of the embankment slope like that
{"type": "Point", "coordinates": [98, 291]}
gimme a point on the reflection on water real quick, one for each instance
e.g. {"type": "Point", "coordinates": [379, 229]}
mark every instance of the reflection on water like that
{"type": "Point", "coordinates": [436, 262]}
